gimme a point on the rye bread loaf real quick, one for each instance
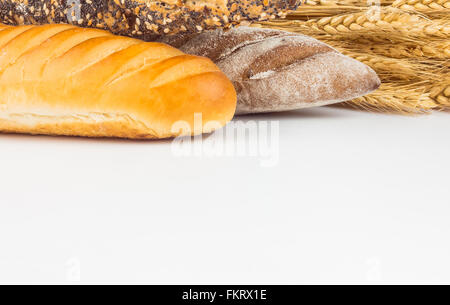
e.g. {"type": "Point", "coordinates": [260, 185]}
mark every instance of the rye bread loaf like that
{"type": "Point", "coordinates": [143, 18]}
{"type": "Point", "coordinates": [274, 70]}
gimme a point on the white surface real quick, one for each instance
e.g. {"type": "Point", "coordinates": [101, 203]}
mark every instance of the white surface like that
{"type": "Point", "coordinates": [355, 198]}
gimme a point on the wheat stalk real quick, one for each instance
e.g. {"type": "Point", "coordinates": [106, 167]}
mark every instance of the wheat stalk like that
{"type": "Point", "coordinates": [422, 5]}
{"type": "Point", "coordinates": [367, 35]}
{"type": "Point", "coordinates": [398, 61]}
{"type": "Point", "coordinates": [407, 42]}
{"type": "Point", "coordinates": [360, 3]}
{"type": "Point", "coordinates": [307, 12]}
{"type": "Point", "coordinates": [400, 98]}
{"type": "Point", "coordinates": [391, 69]}
{"type": "Point", "coordinates": [382, 19]}
{"type": "Point", "coordinates": [378, 25]}
{"type": "Point", "coordinates": [433, 9]}
{"type": "Point", "coordinates": [417, 49]}
{"type": "Point", "coordinates": [435, 50]}
{"type": "Point", "coordinates": [441, 94]}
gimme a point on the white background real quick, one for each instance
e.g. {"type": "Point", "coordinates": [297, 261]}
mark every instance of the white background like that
{"type": "Point", "coordinates": [355, 198]}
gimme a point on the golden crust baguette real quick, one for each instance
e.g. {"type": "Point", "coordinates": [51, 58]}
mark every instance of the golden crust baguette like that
{"type": "Point", "coordinates": [65, 80]}
{"type": "Point", "coordinates": [141, 18]}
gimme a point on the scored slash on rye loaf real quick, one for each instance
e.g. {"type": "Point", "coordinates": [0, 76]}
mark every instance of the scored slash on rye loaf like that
{"type": "Point", "coordinates": [275, 70]}
{"type": "Point", "coordinates": [141, 18]}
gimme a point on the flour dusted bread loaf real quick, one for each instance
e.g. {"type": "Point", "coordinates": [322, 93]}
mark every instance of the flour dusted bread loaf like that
{"type": "Point", "coordinates": [143, 18]}
{"type": "Point", "coordinates": [64, 80]}
{"type": "Point", "coordinates": [276, 71]}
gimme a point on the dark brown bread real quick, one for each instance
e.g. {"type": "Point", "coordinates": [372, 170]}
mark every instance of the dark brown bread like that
{"type": "Point", "coordinates": [143, 18]}
{"type": "Point", "coordinates": [275, 70]}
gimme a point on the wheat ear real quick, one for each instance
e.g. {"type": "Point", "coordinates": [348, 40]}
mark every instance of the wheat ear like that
{"type": "Point", "coordinates": [422, 5]}
{"type": "Point", "coordinates": [383, 19]}
{"type": "Point", "coordinates": [435, 50]}
{"type": "Point", "coordinates": [398, 98]}
{"type": "Point", "coordinates": [408, 48]}
{"type": "Point", "coordinates": [441, 94]}
{"type": "Point", "coordinates": [392, 69]}
{"type": "Point", "coordinates": [359, 3]}
{"type": "Point", "coordinates": [378, 25]}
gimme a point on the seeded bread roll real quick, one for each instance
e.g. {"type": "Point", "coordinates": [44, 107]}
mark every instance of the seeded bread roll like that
{"type": "Point", "coordinates": [143, 18]}
{"type": "Point", "coordinates": [276, 71]}
{"type": "Point", "coordinates": [65, 80]}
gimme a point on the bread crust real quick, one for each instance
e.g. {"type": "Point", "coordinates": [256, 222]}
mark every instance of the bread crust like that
{"type": "Point", "coordinates": [143, 18]}
{"type": "Point", "coordinates": [274, 70]}
{"type": "Point", "coordinates": [64, 80]}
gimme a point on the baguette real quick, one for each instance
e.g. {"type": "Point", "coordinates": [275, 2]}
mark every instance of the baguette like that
{"type": "Point", "coordinates": [143, 18]}
{"type": "Point", "coordinates": [274, 70]}
{"type": "Point", "coordinates": [65, 80]}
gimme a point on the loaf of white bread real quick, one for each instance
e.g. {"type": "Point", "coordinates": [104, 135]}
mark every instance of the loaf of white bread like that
{"type": "Point", "coordinates": [275, 70]}
{"type": "Point", "coordinates": [65, 80]}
